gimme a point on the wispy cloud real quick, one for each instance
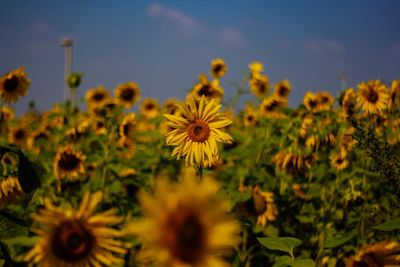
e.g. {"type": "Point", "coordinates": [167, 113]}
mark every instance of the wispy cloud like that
{"type": "Point", "coordinates": [232, 37]}
{"type": "Point", "coordinates": [323, 45]}
{"type": "Point", "coordinates": [189, 25]}
{"type": "Point", "coordinates": [396, 49]}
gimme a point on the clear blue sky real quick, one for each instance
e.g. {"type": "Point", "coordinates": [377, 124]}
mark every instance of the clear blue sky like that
{"type": "Point", "coordinates": [165, 45]}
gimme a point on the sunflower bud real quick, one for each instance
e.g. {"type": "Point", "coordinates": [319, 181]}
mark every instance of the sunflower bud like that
{"type": "Point", "coordinates": [74, 80]}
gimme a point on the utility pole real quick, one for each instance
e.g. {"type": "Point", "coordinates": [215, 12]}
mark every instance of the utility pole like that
{"type": "Point", "coordinates": [343, 80]}
{"type": "Point", "coordinates": [67, 43]}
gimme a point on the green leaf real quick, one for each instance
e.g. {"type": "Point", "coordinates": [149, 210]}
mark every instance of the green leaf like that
{"type": "Point", "coordinates": [303, 263]}
{"type": "Point", "coordinates": [340, 239]}
{"type": "Point", "coordinates": [282, 261]}
{"type": "Point", "coordinates": [286, 244]}
{"type": "Point", "coordinates": [28, 174]}
{"type": "Point", "coordinates": [389, 225]}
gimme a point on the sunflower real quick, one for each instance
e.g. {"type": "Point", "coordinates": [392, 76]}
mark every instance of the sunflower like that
{"type": "Point", "coordinates": [339, 162]}
{"type": "Point", "coordinates": [372, 97]}
{"type": "Point", "coordinates": [259, 85]}
{"type": "Point", "coordinates": [381, 121]}
{"type": "Point", "coordinates": [110, 105]}
{"type": "Point", "coordinates": [13, 85]}
{"type": "Point", "coordinates": [127, 126]}
{"type": "Point", "coordinates": [196, 132]}
{"type": "Point", "coordinates": [68, 163]}
{"type": "Point", "coordinates": [170, 107]}
{"type": "Point", "coordinates": [394, 96]}
{"type": "Point", "coordinates": [18, 136]}
{"type": "Point", "coordinates": [37, 135]}
{"type": "Point", "coordinates": [325, 100]}
{"type": "Point", "coordinates": [269, 105]}
{"type": "Point", "coordinates": [129, 145]}
{"type": "Point", "coordinates": [250, 117]}
{"type": "Point", "coordinates": [127, 94]}
{"type": "Point", "coordinates": [186, 225]}
{"type": "Point", "coordinates": [149, 108]}
{"type": "Point", "coordinates": [95, 97]}
{"type": "Point", "coordinates": [210, 90]}
{"type": "Point", "coordinates": [348, 102]}
{"type": "Point", "coordinates": [218, 68]}
{"type": "Point", "coordinates": [256, 67]}
{"type": "Point", "coordinates": [385, 253]}
{"type": "Point", "coordinates": [282, 89]}
{"type": "Point", "coordinates": [7, 114]}
{"type": "Point", "coordinates": [10, 190]}
{"type": "Point", "coordinates": [311, 102]}
{"type": "Point", "coordinates": [77, 237]}
{"type": "Point", "coordinates": [293, 162]}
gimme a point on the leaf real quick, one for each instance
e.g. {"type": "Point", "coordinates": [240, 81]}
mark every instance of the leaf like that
{"type": "Point", "coordinates": [303, 263]}
{"type": "Point", "coordinates": [286, 244]}
{"type": "Point", "coordinates": [389, 225]}
{"type": "Point", "coordinates": [282, 261]}
{"type": "Point", "coordinates": [27, 174]}
{"type": "Point", "coordinates": [340, 239]}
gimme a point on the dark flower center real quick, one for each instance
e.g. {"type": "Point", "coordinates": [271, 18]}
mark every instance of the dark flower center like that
{"type": "Point", "coordinates": [72, 241]}
{"type": "Point", "coordinates": [150, 106]}
{"type": "Point", "coordinates": [198, 131]}
{"type": "Point", "coordinates": [262, 88]}
{"type": "Point", "coordinates": [339, 161]}
{"type": "Point", "coordinates": [19, 134]}
{"type": "Point", "coordinates": [68, 161]}
{"type": "Point", "coordinates": [312, 103]}
{"type": "Point", "coordinates": [218, 68]}
{"type": "Point", "coordinates": [205, 90]}
{"type": "Point", "coordinates": [185, 236]}
{"type": "Point", "coordinates": [283, 90]}
{"type": "Point", "coordinates": [127, 94]}
{"type": "Point", "coordinates": [41, 136]}
{"type": "Point", "coordinates": [11, 84]}
{"type": "Point", "coordinates": [372, 96]}
{"type": "Point", "coordinates": [271, 106]}
{"type": "Point", "coordinates": [98, 97]}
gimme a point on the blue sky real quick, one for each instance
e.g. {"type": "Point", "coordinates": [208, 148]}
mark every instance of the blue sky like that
{"type": "Point", "coordinates": [165, 45]}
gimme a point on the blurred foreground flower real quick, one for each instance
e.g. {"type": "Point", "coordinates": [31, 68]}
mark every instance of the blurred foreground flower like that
{"type": "Point", "coordinates": [13, 85]}
{"type": "Point", "coordinates": [76, 237]}
{"type": "Point", "coordinates": [186, 226]}
{"type": "Point", "coordinates": [196, 131]}
{"type": "Point", "coordinates": [10, 189]}
{"type": "Point", "coordinates": [218, 68]}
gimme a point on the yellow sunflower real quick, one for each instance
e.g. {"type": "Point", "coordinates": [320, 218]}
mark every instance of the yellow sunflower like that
{"type": "Point", "coordinates": [127, 94]}
{"type": "Point", "coordinates": [259, 85]}
{"type": "Point", "coordinates": [372, 97]}
{"type": "Point", "coordinates": [385, 253]}
{"type": "Point", "coordinates": [128, 144]}
{"type": "Point", "coordinates": [293, 162]}
{"type": "Point", "coordinates": [186, 224]}
{"type": "Point", "coordinates": [7, 114]}
{"type": "Point", "coordinates": [250, 117]}
{"type": "Point", "coordinates": [269, 105]}
{"type": "Point", "coordinates": [282, 89]}
{"type": "Point", "coordinates": [10, 190]}
{"type": "Point", "coordinates": [256, 67]}
{"type": "Point", "coordinates": [394, 96]}
{"type": "Point", "coordinates": [170, 107]}
{"type": "Point", "coordinates": [68, 163]}
{"type": "Point", "coordinates": [325, 100]}
{"type": "Point", "coordinates": [211, 90]}
{"type": "Point", "coordinates": [311, 102]}
{"type": "Point", "coordinates": [339, 162]}
{"type": "Point", "coordinates": [40, 134]}
{"type": "Point", "coordinates": [13, 85]}
{"type": "Point", "coordinates": [127, 126]}
{"type": "Point", "coordinates": [18, 136]}
{"type": "Point", "coordinates": [95, 97]}
{"type": "Point", "coordinates": [196, 132]}
{"type": "Point", "coordinates": [348, 102]}
{"type": "Point", "coordinates": [77, 237]}
{"type": "Point", "coordinates": [218, 68]}
{"type": "Point", "coordinates": [150, 108]}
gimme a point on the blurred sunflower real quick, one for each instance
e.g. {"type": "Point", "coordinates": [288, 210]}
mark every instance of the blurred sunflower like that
{"type": "Point", "coordinates": [259, 85]}
{"type": "Point", "coordinates": [256, 67]}
{"type": "Point", "coordinates": [77, 237]}
{"type": "Point", "coordinates": [110, 105]}
{"type": "Point", "coordinates": [10, 190]}
{"type": "Point", "coordinates": [127, 126]}
{"type": "Point", "coordinates": [269, 105]}
{"type": "Point", "coordinates": [385, 253]}
{"type": "Point", "coordinates": [37, 135]}
{"type": "Point", "coordinates": [282, 89]}
{"type": "Point", "coordinates": [68, 163]}
{"type": "Point", "coordinates": [218, 68]}
{"type": "Point", "coordinates": [250, 117]}
{"type": "Point", "coordinates": [293, 162]}
{"type": "Point", "coordinates": [128, 144]}
{"type": "Point", "coordinates": [13, 85]}
{"type": "Point", "coordinates": [339, 162]}
{"type": "Point", "coordinates": [394, 96]}
{"type": "Point", "coordinates": [170, 107]}
{"type": "Point", "coordinates": [127, 94]}
{"type": "Point", "coordinates": [196, 131]}
{"type": "Point", "coordinates": [7, 114]}
{"type": "Point", "coordinates": [348, 102]}
{"type": "Point", "coordinates": [186, 225]}
{"type": "Point", "coordinates": [325, 100]}
{"type": "Point", "coordinates": [372, 97]}
{"type": "Point", "coordinates": [95, 97]}
{"type": "Point", "coordinates": [210, 90]}
{"type": "Point", "coordinates": [381, 121]}
{"type": "Point", "coordinates": [18, 136]}
{"type": "Point", "coordinates": [149, 108]}
{"type": "Point", "coordinates": [311, 102]}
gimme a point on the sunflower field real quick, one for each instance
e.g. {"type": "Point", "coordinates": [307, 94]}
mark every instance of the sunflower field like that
{"type": "Point", "coordinates": [201, 181]}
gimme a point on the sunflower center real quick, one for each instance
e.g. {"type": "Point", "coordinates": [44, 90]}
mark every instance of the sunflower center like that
{"type": "Point", "coordinates": [312, 103]}
{"type": "Point", "coordinates": [250, 118]}
{"type": "Point", "coordinates": [372, 95]}
{"type": "Point", "coordinates": [11, 84]}
{"type": "Point", "coordinates": [339, 161]}
{"type": "Point", "coordinates": [127, 94]}
{"type": "Point", "coordinates": [198, 131]}
{"type": "Point", "coordinates": [68, 161]}
{"type": "Point", "coordinates": [150, 106]}
{"type": "Point", "coordinates": [271, 106]}
{"type": "Point", "coordinates": [282, 91]}
{"type": "Point", "coordinates": [217, 68]}
{"type": "Point", "coordinates": [185, 236]}
{"type": "Point", "coordinates": [126, 129]}
{"type": "Point", "coordinates": [71, 241]}
{"type": "Point", "coordinates": [20, 134]}
{"type": "Point", "coordinates": [41, 136]}
{"type": "Point", "coordinates": [261, 86]}
{"type": "Point", "coordinates": [98, 97]}
{"type": "Point", "coordinates": [205, 90]}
